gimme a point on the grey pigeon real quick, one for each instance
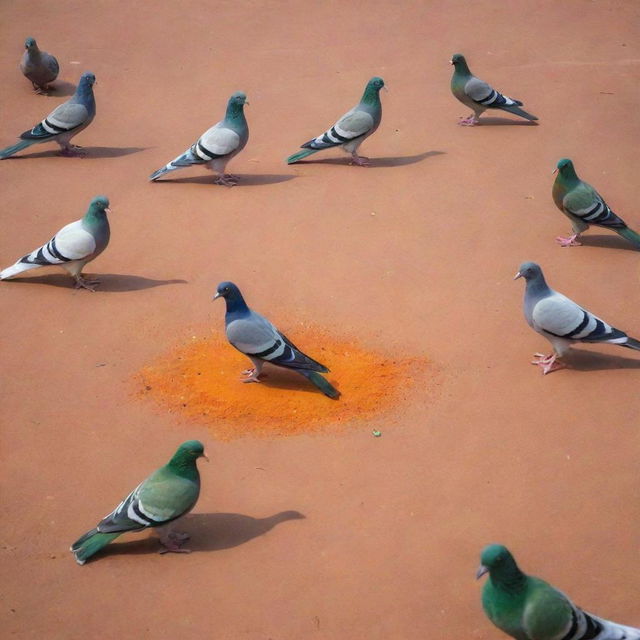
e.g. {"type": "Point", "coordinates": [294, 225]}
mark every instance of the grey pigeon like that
{"type": "Point", "coordinates": [561, 321]}
{"type": "Point", "coordinates": [63, 123]}
{"type": "Point", "coordinates": [39, 67]}
{"type": "Point", "coordinates": [217, 145]}
{"type": "Point", "coordinates": [72, 247]}
{"type": "Point", "coordinates": [352, 129]}
{"type": "Point", "coordinates": [252, 334]}
{"type": "Point", "coordinates": [478, 95]}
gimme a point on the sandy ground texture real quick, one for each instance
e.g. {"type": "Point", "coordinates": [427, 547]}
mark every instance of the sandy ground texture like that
{"type": "Point", "coordinates": [392, 526]}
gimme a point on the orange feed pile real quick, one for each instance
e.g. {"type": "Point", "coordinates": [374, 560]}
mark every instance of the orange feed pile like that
{"type": "Point", "coordinates": [200, 381]}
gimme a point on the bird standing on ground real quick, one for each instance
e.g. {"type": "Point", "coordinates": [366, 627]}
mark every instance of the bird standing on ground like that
{"type": "Point", "coordinates": [166, 495]}
{"type": "Point", "coordinates": [72, 247]}
{"type": "Point", "coordinates": [561, 321]}
{"type": "Point", "coordinates": [252, 334]}
{"type": "Point", "coordinates": [63, 123]}
{"type": "Point", "coordinates": [584, 206]}
{"type": "Point", "coordinates": [528, 608]}
{"type": "Point", "coordinates": [478, 95]}
{"type": "Point", "coordinates": [352, 129]}
{"type": "Point", "coordinates": [39, 67]}
{"type": "Point", "coordinates": [217, 145]}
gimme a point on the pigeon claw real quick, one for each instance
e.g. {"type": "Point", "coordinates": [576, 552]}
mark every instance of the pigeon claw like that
{"type": "Point", "coordinates": [89, 285]}
{"type": "Point", "coordinates": [547, 363]}
{"type": "Point", "coordinates": [360, 161]}
{"type": "Point", "coordinates": [469, 121]}
{"type": "Point", "coordinates": [571, 241]}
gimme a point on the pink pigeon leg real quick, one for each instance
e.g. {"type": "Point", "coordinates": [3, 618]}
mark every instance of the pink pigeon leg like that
{"type": "Point", "coordinates": [571, 241]}
{"type": "Point", "coordinates": [71, 151]}
{"type": "Point", "coordinates": [470, 121]}
{"type": "Point", "coordinates": [255, 373]}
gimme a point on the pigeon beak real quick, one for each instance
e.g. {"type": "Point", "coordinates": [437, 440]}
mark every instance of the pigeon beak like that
{"type": "Point", "coordinates": [518, 275]}
{"type": "Point", "coordinates": [481, 571]}
{"type": "Point", "coordinates": [554, 171]}
{"type": "Point", "coordinates": [450, 61]}
{"type": "Point", "coordinates": [216, 296]}
{"type": "Point", "coordinates": [205, 456]}
{"type": "Point", "coordinates": [108, 210]}
{"type": "Point", "coordinates": [247, 102]}
{"type": "Point", "coordinates": [386, 88]}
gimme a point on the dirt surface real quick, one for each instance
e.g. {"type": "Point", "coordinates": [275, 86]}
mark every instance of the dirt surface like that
{"type": "Point", "coordinates": [392, 526]}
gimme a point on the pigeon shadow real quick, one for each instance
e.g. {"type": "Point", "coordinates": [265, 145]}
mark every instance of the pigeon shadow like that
{"type": "Point", "coordinates": [209, 532]}
{"type": "Point", "coordinates": [583, 360]}
{"type": "Point", "coordinates": [397, 161]}
{"type": "Point", "coordinates": [607, 242]}
{"type": "Point", "coordinates": [493, 121]}
{"type": "Point", "coordinates": [109, 282]}
{"type": "Point", "coordinates": [91, 153]}
{"type": "Point", "coordinates": [245, 180]}
{"type": "Point", "coordinates": [61, 88]}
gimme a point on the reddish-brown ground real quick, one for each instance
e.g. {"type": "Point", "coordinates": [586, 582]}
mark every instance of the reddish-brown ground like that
{"type": "Point", "coordinates": [392, 526]}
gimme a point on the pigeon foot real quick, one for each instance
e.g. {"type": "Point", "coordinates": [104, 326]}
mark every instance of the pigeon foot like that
{"type": "Point", "coordinates": [548, 363]}
{"type": "Point", "coordinates": [571, 241]}
{"type": "Point", "coordinates": [72, 151]}
{"type": "Point", "coordinates": [81, 283]}
{"type": "Point", "coordinates": [360, 161]}
{"type": "Point", "coordinates": [469, 121]}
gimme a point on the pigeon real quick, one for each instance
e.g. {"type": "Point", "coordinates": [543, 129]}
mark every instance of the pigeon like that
{"type": "Point", "coordinates": [583, 205]}
{"type": "Point", "coordinates": [561, 321]}
{"type": "Point", "coordinates": [72, 247]}
{"type": "Point", "coordinates": [252, 334]}
{"type": "Point", "coordinates": [479, 95]}
{"type": "Point", "coordinates": [167, 494]}
{"type": "Point", "coordinates": [217, 145]}
{"type": "Point", "coordinates": [528, 608]}
{"type": "Point", "coordinates": [39, 67]}
{"type": "Point", "coordinates": [350, 131]}
{"type": "Point", "coordinates": [63, 123]}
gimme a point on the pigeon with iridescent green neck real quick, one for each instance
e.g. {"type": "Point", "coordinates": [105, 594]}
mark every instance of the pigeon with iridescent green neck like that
{"type": "Point", "coordinates": [478, 95]}
{"type": "Point", "coordinates": [216, 146]}
{"type": "Point", "coordinates": [166, 495]}
{"type": "Point", "coordinates": [528, 608]}
{"type": "Point", "coordinates": [39, 67]}
{"type": "Point", "coordinates": [584, 206]}
{"type": "Point", "coordinates": [63, 123]}
{"type": "Point", "coordinates": [72, 247]}
{"type": "Point", "coordinates": [351, 129]}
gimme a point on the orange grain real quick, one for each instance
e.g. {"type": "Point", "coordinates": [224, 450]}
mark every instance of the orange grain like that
{"type": "Point", "coordinates": [201, 381]}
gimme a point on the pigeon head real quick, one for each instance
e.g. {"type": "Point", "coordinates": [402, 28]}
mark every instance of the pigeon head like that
{"type": "Point", "coordinates": [238, 98]}
{"type": "Point", "coordinates": [233, 297]}
{"type": "Point", "coordinates": [87, 79]}
{"type": "Point", "coordinates": [528, 271]}
{"type": "Point", "coordinates": [495, 557]}
{"type": "Point", "coordinates": [192, 449]}
{"type": "Point", "coordinates": [30, 43]}
{"type": "Point", "coordinates": [565, 168]}
{"type": "Point", "coordinates": [376, 83]}
{"type": "Point", "coordinates": [100, 203]}
{"type": "Point", "coordinates": [457, 59]}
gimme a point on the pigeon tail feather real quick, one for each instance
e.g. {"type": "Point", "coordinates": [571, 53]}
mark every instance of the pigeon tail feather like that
{"type": "Point", "coordinates": [630, 235]}
{"type": "Point", "coordinates": [17, 268]}
{"type": "Point", "coordinates": [516, 110]}
{"type": "Point", "coordinates": [321, 383]}
{"type": "Point", "coordinates": [90, 543]}
{"type": "Point", "coordinates": [632, 343]}
{"type": "Point", "coordinates": [300, 154]}
{"type": "Point", "coordinates": [19, 146]}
